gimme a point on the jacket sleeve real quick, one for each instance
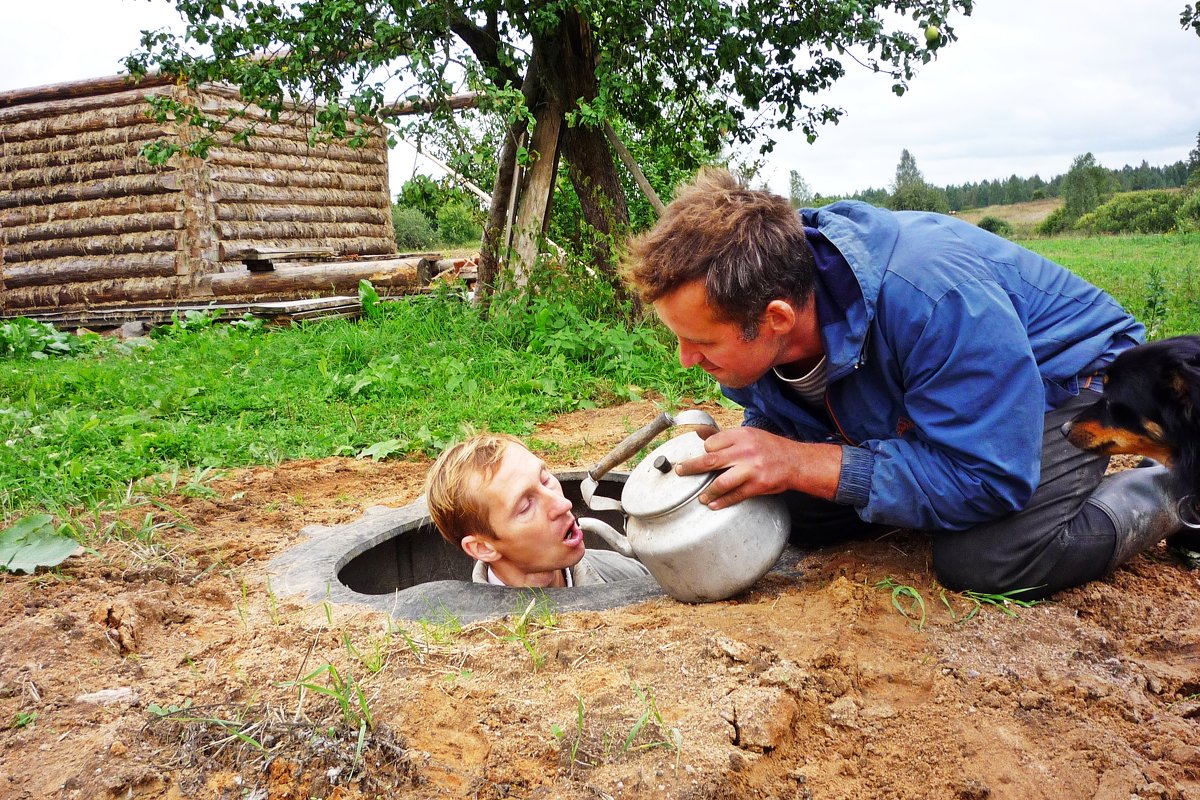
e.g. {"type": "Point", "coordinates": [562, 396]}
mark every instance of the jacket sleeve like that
{"type": "Point", "coordinates": [974, 394]}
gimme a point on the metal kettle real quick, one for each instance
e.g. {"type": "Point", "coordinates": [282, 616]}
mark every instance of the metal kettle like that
{"type": "Point", "coordinates": [696, 554]}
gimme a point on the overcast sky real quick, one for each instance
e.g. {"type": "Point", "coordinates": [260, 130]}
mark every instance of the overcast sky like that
{"type": "Point", "coordinates": [1029, 85]}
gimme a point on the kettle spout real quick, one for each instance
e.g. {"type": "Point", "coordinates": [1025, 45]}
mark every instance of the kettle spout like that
{"type": "Point", "coordinates": [609, 534]}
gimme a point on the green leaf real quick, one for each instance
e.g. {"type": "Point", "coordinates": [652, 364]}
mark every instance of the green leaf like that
{"type": "Point", "coordinates": [33, 542]}
{"type": "Point", "coordinates": [369, 298]}
{"type": "Point", "coordinates": [381, 450]}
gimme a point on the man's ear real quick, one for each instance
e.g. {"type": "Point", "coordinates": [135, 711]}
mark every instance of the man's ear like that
{"type": "Point", "coordinates": [479, 548]}
{"type": "Point", "coordinates": [780, 315]}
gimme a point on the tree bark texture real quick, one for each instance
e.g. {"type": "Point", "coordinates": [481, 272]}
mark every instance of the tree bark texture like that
{"type": "Point", "coordinates": [493, 247]}
{"type": "Point", "coordinates": [590, 164]}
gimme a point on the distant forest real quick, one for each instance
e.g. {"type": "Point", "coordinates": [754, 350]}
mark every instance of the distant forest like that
{"type": "Point", "coordinates": [1019, 190]}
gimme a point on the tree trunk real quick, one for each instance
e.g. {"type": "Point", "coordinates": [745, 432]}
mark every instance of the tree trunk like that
{"type": "Point", "coordinates": [536, 191]}
{"type": "Point", "coordinates": [494, 246]}
{"type": "Point", "coordinates": [590, 164]}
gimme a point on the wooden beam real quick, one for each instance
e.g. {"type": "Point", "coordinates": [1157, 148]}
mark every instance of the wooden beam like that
{"type": "Point", "coordinates": [90, 268]}
{"type": "Point", "coordinates": [454, 102]}
{"type": "Point", "coordinates": [70, 89]}
{"type": "Point", "coordinates": [632, 165]}
{"type": "Point", "coordinates": [338, 277]}
{"type": "Point", "coordinates": [535, 196]}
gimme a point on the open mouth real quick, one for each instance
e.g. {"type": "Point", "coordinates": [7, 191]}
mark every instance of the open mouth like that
{"type": "Point", "coordinates": [574, 535]}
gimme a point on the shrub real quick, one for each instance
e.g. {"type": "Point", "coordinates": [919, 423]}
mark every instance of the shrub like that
{"type": "Point", "coordinates": [995, 225]}
{"type": "Point", "coordinates": [1059, 220]}
{"type": "Point", "coordinates": [1187, 218]}
{"type": "Point", "coordinates": [413, 231]}
{"type": "Point", "coordinates": [457, 225]}
{"type": "Point", "coordinates": [1151, 211]}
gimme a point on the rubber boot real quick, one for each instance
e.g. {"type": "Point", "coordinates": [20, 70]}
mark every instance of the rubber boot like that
{"type": "Point", "coordinates": [1143, 507]}
{"type": "Point", "coordinates": [1188, 537]}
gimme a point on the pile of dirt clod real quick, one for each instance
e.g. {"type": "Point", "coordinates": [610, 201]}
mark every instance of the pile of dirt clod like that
{"type": "Point", "coordinates": [166, 667]}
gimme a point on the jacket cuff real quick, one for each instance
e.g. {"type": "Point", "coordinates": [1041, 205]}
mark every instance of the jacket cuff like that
{"type": "Point", "coordinates": [854, 482]}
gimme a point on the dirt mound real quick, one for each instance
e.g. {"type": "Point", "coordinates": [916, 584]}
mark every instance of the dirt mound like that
{"type": "Point", "coordinates": [166, 667]}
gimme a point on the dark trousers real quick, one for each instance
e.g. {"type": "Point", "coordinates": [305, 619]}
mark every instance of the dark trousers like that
{"type": "Point", "coordinates": [1057, 541]}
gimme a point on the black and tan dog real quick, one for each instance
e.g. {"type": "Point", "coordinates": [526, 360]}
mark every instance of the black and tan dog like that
{"type": "Point", "coordinates": [1151, 407]}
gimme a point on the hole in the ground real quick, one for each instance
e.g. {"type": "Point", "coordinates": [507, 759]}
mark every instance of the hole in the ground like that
{"type": "Point", "coordinates": [416, 553]}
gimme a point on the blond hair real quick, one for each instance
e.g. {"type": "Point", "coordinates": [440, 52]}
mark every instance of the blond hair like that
{"type": "Point", "coordinates": [453, 486]}
{"type": "Point", "coordinates": [747, 246]}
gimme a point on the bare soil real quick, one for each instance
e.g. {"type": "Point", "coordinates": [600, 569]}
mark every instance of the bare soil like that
{"type": "Point", "coordinates": [812, 685]}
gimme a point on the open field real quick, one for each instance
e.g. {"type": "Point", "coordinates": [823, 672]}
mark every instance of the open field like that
{"type": "Point", "coordinates": [1156, 277]}
{"type": "Point", "coordinates": [162, 664]}
{"type": "Point", "coordinates": [1022, 216]}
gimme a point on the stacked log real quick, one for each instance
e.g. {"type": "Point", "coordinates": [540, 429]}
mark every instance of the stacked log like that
{"type": "Point", "coordinates": [81, 214]}
{"type": "Point", "coordinates": [85, 219]}
{"type": "Point", "coordinates": [275, 191]}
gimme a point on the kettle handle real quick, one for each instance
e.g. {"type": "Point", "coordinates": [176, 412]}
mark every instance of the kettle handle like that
{"type": "Point", "coordinates": [643, 436]}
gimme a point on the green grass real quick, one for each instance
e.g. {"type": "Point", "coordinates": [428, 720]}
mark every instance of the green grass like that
{"type": "Point", "coordinates": [1157, 278]}
{"type": "Point", "coordinates": [75, 431]}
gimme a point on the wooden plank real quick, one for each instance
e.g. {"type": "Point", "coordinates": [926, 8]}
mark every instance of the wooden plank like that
{"type": "Point", "coordinates": [534, 203]}
{"type": "Point", "coordinates": [236, 250]}
{"type": "Point", "coordinates": [341, 306]}
{"type": "Point", "coordinates": [454, 102]}
{"type": "Point", "coordinates": [273, 253]}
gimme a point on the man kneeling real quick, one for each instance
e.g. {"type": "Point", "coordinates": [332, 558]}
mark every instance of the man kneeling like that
{"type": "Point", "coordinates": [494, 498]}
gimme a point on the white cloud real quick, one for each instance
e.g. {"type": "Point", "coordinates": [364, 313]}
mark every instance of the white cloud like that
{"type": "Point", "coordinates": [1029, 85]}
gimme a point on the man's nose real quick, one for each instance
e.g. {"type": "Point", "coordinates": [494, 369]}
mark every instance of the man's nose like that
{"type": "Point", "coordinates": [559, 504]}
{"type": "Point", "coordinates": [689, 356]}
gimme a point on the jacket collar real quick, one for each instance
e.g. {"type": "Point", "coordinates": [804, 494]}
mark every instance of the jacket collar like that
{"type": "Point", "coordinates": [852, 243]}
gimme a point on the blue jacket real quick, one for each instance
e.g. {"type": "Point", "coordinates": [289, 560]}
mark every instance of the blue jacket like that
{"type": "Point", "coordinates": [946, 345]}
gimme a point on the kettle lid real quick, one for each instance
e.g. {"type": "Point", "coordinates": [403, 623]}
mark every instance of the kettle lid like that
{"type": "Point", "coordinates": [653, 488]}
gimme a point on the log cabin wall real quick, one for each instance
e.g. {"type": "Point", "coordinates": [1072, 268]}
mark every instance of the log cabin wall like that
{"type": "Point", "coordinates": [86, 221]}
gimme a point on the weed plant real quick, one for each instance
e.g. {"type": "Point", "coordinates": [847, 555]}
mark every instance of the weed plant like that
{"type": "Point", "coordinates": [200, 397]}
{"type": "Point", "coordinates": [590, 743]}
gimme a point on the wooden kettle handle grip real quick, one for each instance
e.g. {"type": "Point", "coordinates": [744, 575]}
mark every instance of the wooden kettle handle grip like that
{"type": "Point", "coordinates": [632, 443]}
{"type": "Point", "coordinates": [644, 435]}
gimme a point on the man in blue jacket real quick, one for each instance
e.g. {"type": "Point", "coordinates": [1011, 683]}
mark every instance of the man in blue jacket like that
{"type": "Point", "coordinates": [902, 369]}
